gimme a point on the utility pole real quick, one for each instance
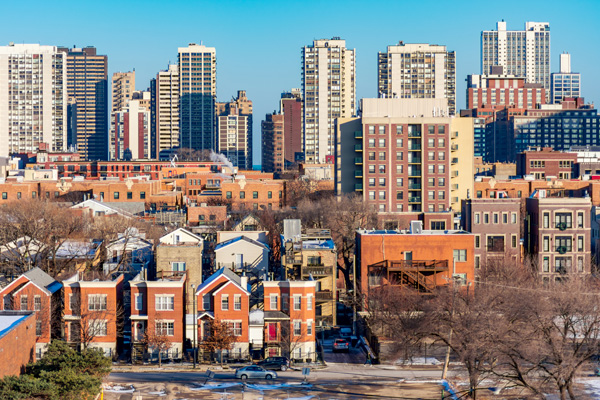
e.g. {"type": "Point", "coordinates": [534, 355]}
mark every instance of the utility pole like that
{"type": "Point", "coordinates": [195, 323]}
{"type": "Point", "coordinates": [354, 295]}
{"type": "Point", "coordinates": [447, 359]}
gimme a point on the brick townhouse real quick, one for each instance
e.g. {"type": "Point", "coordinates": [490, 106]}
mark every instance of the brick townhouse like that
{"type": "Point", "coordinates": [93, 312]}
{"type": "Point", "coordinates": [289, 319]}
{"type": "Point", "coordinates": [157, 307]}
{"type": "Point", "coordinates": [17, 341]}
{"type": "Point", "coordinates": [225, 297]}
{"type": "Point", "coordinates": [39, 292]}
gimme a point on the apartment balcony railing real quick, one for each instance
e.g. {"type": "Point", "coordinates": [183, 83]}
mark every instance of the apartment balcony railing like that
{"type": "Point", "coordinates": [324, 295]}
{"type": "Point", "coordinates": [317, 270]}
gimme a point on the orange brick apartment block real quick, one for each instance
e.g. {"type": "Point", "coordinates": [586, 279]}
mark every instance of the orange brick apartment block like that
{"type": "Point", "coordinates": [254, 194]}
{"type": "Point", "coordinates": [17, 341]}
{"type": "Point", "coordinates": [225, 297]}
{"type": "Point", "coordinates": [158, 307]}
{"type": "Point", "coordinates": [289, 317]}
{"type": "Point", "coordinates": [39, 292]}
{"type": "Point", "coordinates": [397, 257]}
{"type": "Point", "coordinates": [207, 215]}
{"type": "Point", "coordinates": [92, 312]}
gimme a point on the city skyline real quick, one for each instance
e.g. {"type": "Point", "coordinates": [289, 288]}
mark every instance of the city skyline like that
{"type": "Point", "coordinates": [237, 30]}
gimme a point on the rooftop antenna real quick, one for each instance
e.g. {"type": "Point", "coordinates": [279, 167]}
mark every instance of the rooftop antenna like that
{"type": "Point", "coordinates": [175, 158]}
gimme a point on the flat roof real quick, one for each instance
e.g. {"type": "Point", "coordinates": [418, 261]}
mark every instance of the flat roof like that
{"type": "Point", "coordinates": [407, 232]}
{"type": "Point", "coordinates": [9, 320]}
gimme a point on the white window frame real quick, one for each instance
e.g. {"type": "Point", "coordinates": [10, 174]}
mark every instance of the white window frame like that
{"type": "Point", "coordinates": [309, 302]}
{"type": "Point", "coordinates": [139, 301]}
{"type": "Point", "coordinates": [37, 303]}
{"type": "Point", "coordinates": [164, 302]}
{"type": "Point", "coordinates": [224, 302]}
{"type": "Point", "coordinates": [206, 302]}
{"type": "Point", "coordinates": [165, 328]}
{"type": "Point", "coordinates": [98, 327]}
{"type": "Point", "coordinates": [309, 327]}
{"type": "Point", "coordinates": [273, 303]}
{"type": "Point", "coordinates": [237, 302]}
{"type": "Point", "coordinates": [460, 255]}
{"type": "Point", "coordinates": [297, 302]}
{"type": "Point", "coordinates": [97, 302]}
{"type": "Point", "coordinates": [176, 266]}
{"type": "Point", "coordinates": [297, 327]}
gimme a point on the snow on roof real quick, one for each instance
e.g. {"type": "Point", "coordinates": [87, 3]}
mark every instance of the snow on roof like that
{"type": "Point", "coordinates": [237, 239]}
{"type": "Point", "coordinates": [10, 320]}
{"type": "Point", "coordinates": [318, 244]}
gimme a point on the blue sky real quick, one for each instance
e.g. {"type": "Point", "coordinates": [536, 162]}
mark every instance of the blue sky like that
{"type": "Point", "coordinates": [258, 42]}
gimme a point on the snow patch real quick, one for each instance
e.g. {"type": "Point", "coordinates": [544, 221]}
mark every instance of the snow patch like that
{"type": "Point", "coordinates": [119, 389]}
{"type": "Point", "coordinates": [214, 386]}
{"type": "Point", "coordinates": [418, 361]}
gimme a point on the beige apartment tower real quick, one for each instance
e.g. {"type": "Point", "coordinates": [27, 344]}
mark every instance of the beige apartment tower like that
{"type": "Point", "coordinates": [234, 130]}
{"type": "Point", "coordinates": [165, 92]}
{"type": "Point", "coordinates": [123, 86]}
{"type": "Point", "coordinates": [329, 92]}
{"type": "Point", "coordinates": [418, 71]}
{"type": "Point", "coordinates": [33, 98]}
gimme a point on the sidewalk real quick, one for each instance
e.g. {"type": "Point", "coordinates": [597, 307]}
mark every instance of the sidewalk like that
{"type": "Point", "coordinates": [188, 367]}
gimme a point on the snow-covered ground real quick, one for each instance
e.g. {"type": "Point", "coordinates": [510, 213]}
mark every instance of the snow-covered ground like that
{"type": "Point", "coordinates": [418, 361]}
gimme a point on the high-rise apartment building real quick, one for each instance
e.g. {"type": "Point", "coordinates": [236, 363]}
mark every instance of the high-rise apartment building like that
{"type": "Point", "coordinates": [402, 156]}
{"type": "Point", "coordinates": [165, 111]}
{"type": "Point", "coordinates": [87, 88]}
{"type": "Point", "coordinates": [123, 86]}
{"type": "Point", "coordinates": [198, 91]}
{"type": "Point", "coordinates": [522, 53]}
{"type": "Point", "coordinates": [282, 134]}
{"type": "Point", "coordinates": [130, 133]}
{"type": "Point", "coordinates": [33, 98]}
{"type": "Point", "coordinates": [564, 83]}
{"type": "Point", "coordinates": [234, 122]}
{"type": "Point", "coordinates": [329, 92]}
{"type": "Point", "coordinates": [418, 71]}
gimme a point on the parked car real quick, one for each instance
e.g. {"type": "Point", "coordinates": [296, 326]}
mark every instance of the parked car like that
{"type": "Point", "coordinates": [279, 363]}
{"type": "Point", "coordinates": [254, 371]}
{"type": "Point", "coordinates": [341, 345]}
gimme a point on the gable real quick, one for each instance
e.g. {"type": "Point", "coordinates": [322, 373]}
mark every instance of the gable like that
{"type": "Point", "coordinates": [230, 284]}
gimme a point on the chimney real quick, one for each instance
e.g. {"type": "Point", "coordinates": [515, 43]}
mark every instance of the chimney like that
{"type": "Point", "coordinates": [244, 281]}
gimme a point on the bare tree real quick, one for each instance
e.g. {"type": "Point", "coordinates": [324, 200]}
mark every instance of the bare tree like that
{"type": "Point", "coordinates": [220, 338]}
{"type": "Point", "coordinates": [157, 340]}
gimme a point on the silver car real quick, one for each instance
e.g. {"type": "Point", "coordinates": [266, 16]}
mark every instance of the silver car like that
{"type": "Point", "coordinates": [254, 371]}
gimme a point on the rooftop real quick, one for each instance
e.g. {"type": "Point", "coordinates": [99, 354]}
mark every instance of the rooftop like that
{"type": "Point", "coordinates": [407, 232]}
{"type": "Point", "coordinates": [10, 319]}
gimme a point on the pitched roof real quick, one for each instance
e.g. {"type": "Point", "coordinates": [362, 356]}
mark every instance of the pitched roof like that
{"type": "Point", "coordinates": [229, 274]}
{"type": "Point", "coordinates": [237, 239]}
{"type": "Point", "coordinates": [42, 279]}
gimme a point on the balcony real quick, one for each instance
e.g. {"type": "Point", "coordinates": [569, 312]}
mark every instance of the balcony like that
{"type": "Point", "coordinates": [414, 146]}
{"type": "Point", "coordinates": [454, 160]}
{"type": "Point", "coordinates": [317, 270]}
{"type": "Point", "coordinates": [358, 134]}
{"type": "Point", "coordinates": [358, 147]}
{"type": "Point", "coordinates": [414, 199]}
{"type": "Point", "coordinates": [324, 295]}
{"type": "Point", "coordinates": [419, 274]}
{"type": "Point", "coordinates": [454, 147]}
{"type": "Point", "coordinates": [358, 187]}
{"type": "Point", "coordinates": [416, 186]}
{"type": "Point", "coordinates": [414, 160]}
{"type": "Point", "coordinates": [293, 259]}
{"type": "Point", "coordinates": [358, 160]}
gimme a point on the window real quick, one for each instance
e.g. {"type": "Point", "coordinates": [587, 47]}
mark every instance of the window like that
{"type": "Point", "coordinates": [546, 220]}
{"type": "Point", "coordinates": [381, 129]}
{"type": "Point", "coordinates": [372, 156]}
{"type": "Point", "coordinates": [237, 302]}
{"type": "Point", "coordinates": [255, 195]}
{"type": "Point", "coordinates": [486, 218]}
{"type": "Point", "coordinates": [142, 195]}
{"type": "Point", "coordinates": [460, 255]}
{"type": "Point", "coordinates": [228, 195]}
{"type": "Point", "coordinates": [224, 302]}
{"type": "Point", "coordinates": [438, 225]}
{"type": "Point", "coordinates": [242, 195]}
{"type": "Point", "coordinates": [206, 302]}
{"type": "Point", "coordinates": [309, 302]}
{"type": "Point", "coordinates": [297, 328]}
{"type": "Point", "coordinates": [129, 195]}
{"type": "Point", "coordinates": [495, 218]}
{"type": "Point", "coordinates": [381, 195]}
{"type": "Point", "coordinates": [546, 264]}
{"type": "Point", "coordinates": [504, 218]}
{"type": "Point", "coordinates": [514, 241]}
{"type": "Point", "coordinates": [274, 302]}
{"type": "Point", "coordinates": [235, 327]}
{"type": "Point", "coordinates": [564, 221]}
{"type": "Point", "coordinates": [441, 195]}
{"type": "Point", "coordinates": [139, 301]}
{"type": "Point", "coordinates": [477, 262]}
{"type": "Point", "coordinates": [165, 303]}
{"type": "Point", "coordinates": [381, 181]}
{"type": "Point", "coordinates": [37, 302]}
{"type": "Point", "coordinates": [23, 302]}
{"type": "Point", "coordinates": [477, 218]}
{"type": "Point", "coordinates": [580, 264]}
{"type": "Point", "coordinates": [580, 220]}
{"type": "Point", "coordinates": [580, 243]}
{"type": "Point", "coordinates": [477, 242]}
{"type": "Point", "coordinates": [116, 195]}
{"type": "Point", "coordinates": [371, 181]}
{"type": "Point", "coordinates": [18, 195]}
{"type": "Point", "coordinates": [178, 266]}
{"type": "Point", "coordinates": [382, 169]}
{"type": "Point", "coordinates": [382, 155]}
{"type": "Point", "coordinates": [546, 243]}
{"type": "Point", "coordinates": [269, 195]}
{"type": "Point", "coordinates": [513, 218]}
{"type": "Point", "coordinates": [33, 194]}
{"type": "Point", "coordinates": [165, 328]}
{"type": "Point", "coordinates": [495, 244]}
{"type": "Point", "coordinates": [97, 327]}
{"type": "Point", "coordinates": [399, 142]}
{"type": "Point", "coordinates": [441, 181]}
{"type": "Point", "coordinates": [297, 302]}
{"type": "Point", "coordinates": [431, 182]}
{"type": "Point", "coordinates": [38, 328]}
{"type": "Point", "coordinates": [97, 302]}
{"type": "Point", "coordinates": [381, 142]}
{"type": "Point", "coordinates": [431, 195]}
{"type": "Point", "coordinates": [398, 129]}
{"type": "Point", "coordinates": [309, 327]}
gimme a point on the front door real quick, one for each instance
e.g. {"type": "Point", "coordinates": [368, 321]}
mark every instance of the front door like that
{"type": "Point", "coordinates": [139, 331]}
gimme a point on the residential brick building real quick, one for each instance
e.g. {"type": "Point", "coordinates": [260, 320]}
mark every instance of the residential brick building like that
{"type": "Point", "coordinates": [38, 292]}
{"type": "Point", "coordinates": [546, 163]}
{"type": "Point", "coordinates": [423, 259]}
{"type": "Point", "coordinates": [224, 297]}
{"type": "Point", "coordinates": [158, 307]}
{"type": "Point", "coordinates": [496, 225]}
{"type": "Point", "coordinates": [289, 319]}
{"type": "Point", "coordinates": [312, 255]}
{"type": "Point", "coordinates": [181, 253]}
{"type": "Point", "coordinates": [17, 341]}
{"type": "Point", "coordinates": [558, 236]}
{"type": "Point", "coordinates": [93, 312]}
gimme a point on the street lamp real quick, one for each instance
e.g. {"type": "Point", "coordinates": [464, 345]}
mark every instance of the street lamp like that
{"type": "Point", "coordinates": [195, 323]}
